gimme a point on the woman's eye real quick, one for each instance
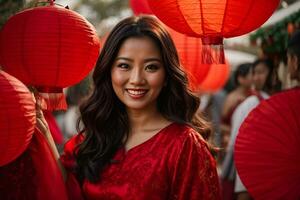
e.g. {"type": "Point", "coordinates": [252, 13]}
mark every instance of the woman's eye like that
{"type": "Point", "coordinates": [151, 67]}
{"type": "Point", "coordinates": [123, 65]}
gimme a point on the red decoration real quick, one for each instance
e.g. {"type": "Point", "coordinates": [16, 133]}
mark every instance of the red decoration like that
{"type": "Point", "coordinates": [290, 28]}
{"type": "Point", "coordinates": [212, 20]}
{"type": "Point", "coordinates": [140, 7]}
{"type": "Point", "coordinates": [267, 148]}
{"type": "Point", "coordinates": [17, 118]}
{"type": "Point", "coordinates": [189, 50]}
{"type": "Point", "coordinates": [48, 47]}
{"type": "Point", "coordinates": [210, 77]}
{"type": "Point", "coordinates": [216, 78]}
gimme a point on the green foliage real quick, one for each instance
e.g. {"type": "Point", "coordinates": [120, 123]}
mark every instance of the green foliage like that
{"type": "Point", "coordinates": [9, 8]}
{"type": "Point", "coordinates": [273, 39]}
{"type": "Point", "coordinates": [101, 9]}
{"type": "Point", "coordinates": [105, 8]}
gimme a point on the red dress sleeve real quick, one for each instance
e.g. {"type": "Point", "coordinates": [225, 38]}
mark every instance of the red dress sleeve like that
{"type": "Point", "coordinates": [194, 174]}
{"type": "Point", "coordinates": [68, 161]}
{"type": "Point", "coordinates": [34, 175]}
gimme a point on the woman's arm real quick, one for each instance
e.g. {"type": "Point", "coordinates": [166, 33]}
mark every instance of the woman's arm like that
{"type": "Point", "coordinates": [43, 127]}
{"type": "Point", "coordinates": [194, 174]}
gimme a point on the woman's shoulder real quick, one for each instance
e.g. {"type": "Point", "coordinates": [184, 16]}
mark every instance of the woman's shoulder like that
{"type": "Point", "coordinates": [73, 142]}
{"type": "Point", "coordinates": [248, 103]}
{"type": "Point", "coordinates": [188, 142]}
{"type": "Point", "coordinates": [67, 157]}
{"type": "Point", "coordinates": [184, 133]}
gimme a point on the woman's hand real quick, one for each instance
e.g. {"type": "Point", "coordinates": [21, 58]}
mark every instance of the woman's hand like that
{"type": "Point", "coordinates": [41, 122]}
{"type": "Point", "coordinates": [42, 126]}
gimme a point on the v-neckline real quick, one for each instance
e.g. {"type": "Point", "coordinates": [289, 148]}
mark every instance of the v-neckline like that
{"type": "Point", "coordinates": [126, 152]}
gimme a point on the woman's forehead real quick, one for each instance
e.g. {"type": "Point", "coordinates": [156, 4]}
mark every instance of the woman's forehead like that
{"type": "Point", "coordinates": [134, 46]}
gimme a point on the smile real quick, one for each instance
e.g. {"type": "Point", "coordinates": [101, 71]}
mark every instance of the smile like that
{"type": "Point", "coordinates": [136, 93]}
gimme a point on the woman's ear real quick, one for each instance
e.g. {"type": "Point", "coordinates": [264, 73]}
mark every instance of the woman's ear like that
{"type": "Point", "coordinates": [297, 63]}
{"type": "Point", "coordinates": [293, 62]}
{"type": "Point", "coordinates": [294, 66]}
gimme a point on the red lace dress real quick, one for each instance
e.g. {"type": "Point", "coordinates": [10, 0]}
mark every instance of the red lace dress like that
{"type": "Point", "coordinates": [174, 164]}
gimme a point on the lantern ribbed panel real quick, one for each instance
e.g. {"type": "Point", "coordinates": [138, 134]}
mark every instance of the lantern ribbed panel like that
{"type": "Point", "coordinates": [48, 46]}
{"type": "Point", "coordinates": [223, 18]}
{"type": "Point", "coordinates": [140, 7]}
{"type": "Point", "coordinates": [215, 79]}
{"type": "Point", "coordinates": [189, 50]}
{"type": "Point", "coordinates": [17, 118]}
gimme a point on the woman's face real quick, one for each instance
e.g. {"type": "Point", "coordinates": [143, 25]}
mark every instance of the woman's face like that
{"type": "Point", "coordinates": [260, 74]}
{"type": "Point", "coordinates": [246, 81]}
{"type": "Point", "coordinates": [292, 63]}
{"type": "Point", "coordinates": [138, 73]}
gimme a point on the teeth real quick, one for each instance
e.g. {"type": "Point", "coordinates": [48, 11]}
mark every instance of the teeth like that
{"type": "Point", "coordinates": [136, 92]}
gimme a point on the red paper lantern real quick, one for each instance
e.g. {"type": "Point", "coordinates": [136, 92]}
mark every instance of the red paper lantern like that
{"type": "Point", "coordinates": [189, 50]}
{"type": "Point", "coordinates": [48, 47]}
{"type": "Point", "coordinates": [215, 79]}
{"type": "Point", "coordinates": [212, 20]}
{"type": "Point", "coordinates": [140, 7]}
{"type": "Point", "coordinates": [17, 118]}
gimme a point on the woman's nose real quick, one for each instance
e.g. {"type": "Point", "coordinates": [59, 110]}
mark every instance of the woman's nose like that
{"type": "Point", "coordinates": [136, 76]}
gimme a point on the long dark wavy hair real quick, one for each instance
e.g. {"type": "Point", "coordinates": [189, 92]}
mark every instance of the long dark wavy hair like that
{"type": "Point", "coordinates": [105, 120]}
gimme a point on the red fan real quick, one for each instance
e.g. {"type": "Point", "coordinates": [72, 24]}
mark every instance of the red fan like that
{"type": "Point", "coordinates": [267, 149]}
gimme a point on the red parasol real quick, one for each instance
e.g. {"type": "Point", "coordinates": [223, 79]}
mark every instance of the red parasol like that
{"type": "Point", "coordinates": [267, 149]}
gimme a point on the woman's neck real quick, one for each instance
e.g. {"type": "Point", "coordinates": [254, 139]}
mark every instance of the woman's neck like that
{"type": "Point", "coordinates": [144, 119]}
{"type": "Point", "coordinates": [243, 90]}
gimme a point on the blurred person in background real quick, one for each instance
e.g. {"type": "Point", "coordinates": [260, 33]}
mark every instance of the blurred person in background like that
{"type": "Point", "coordinates": [243, 81]}
{"type": "Point", "coordinates": [263, 79]}
{"type": "Point", "coordinates": [293, 56]}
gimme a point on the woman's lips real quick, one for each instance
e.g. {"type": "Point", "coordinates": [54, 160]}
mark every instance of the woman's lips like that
{"type": "Point", "coordinates": [136, 93]}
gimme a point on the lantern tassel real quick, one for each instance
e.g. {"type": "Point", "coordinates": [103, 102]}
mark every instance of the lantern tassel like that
{"type": "Point", "coordinates": [51, 99]}
{"type": "Point", "coordinates": [54, 101]}
{"type": "Point", "coordinates": [213, 50]}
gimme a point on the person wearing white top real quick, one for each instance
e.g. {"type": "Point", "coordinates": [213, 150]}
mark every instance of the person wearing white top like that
{"type": "Point", "coordinates": [237, 119]}
{"type": "Point", "coordinates": [262, 80]}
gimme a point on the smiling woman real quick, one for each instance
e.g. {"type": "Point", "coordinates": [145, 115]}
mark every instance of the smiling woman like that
{"type": "Point", "coordinates": [142, 136]}
{"type": "Point", "coordinates": [138, 74]}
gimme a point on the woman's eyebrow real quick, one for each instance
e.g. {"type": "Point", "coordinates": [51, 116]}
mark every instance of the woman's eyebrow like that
{"type": "Point", "coordinates": [146, 60]}
{"type": "Point", "coordinates": [124, 58]}
{"type": "Point", "coordinates": [153, 59]}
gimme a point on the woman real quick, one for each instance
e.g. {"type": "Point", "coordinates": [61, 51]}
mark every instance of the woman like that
{"type": "Point", "coordinates": [263, 76]}
{"type": "Point", "coordinates": [293, 56]}
{"type": "Point", "coordinates": [243, 83]}
{"type": "Point", "coordinates": [139, 139]}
